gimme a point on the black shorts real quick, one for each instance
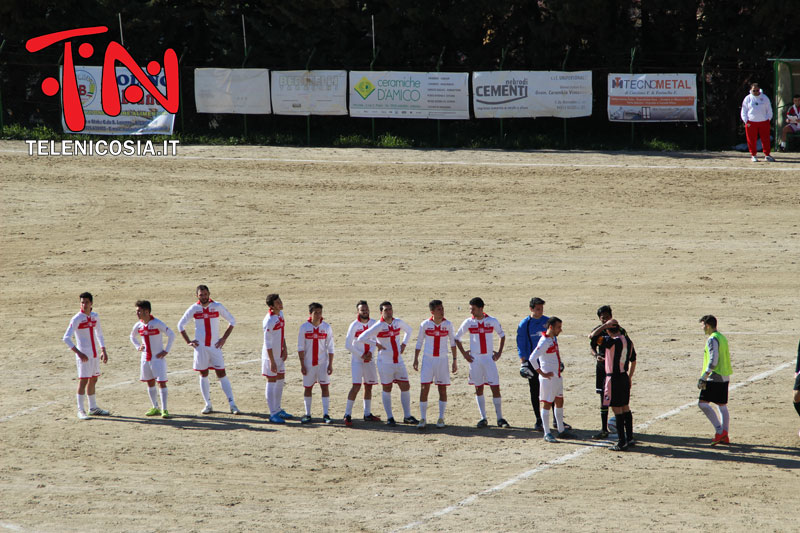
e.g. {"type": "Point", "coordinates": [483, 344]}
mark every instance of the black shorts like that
{"type": "Point", "coordinates": [600, 377]}
{"type": "Point", "coordinates": [797, 382]}
{"type": "Point", "coordinates": [617, 391]}
{"type": "Point", "coordinates": [715, 392]}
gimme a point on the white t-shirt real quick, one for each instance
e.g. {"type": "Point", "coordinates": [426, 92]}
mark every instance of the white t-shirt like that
{"type": "Point", "coordinates": [433, 336]}
{"type": "Point", "coordinates": [206, 321]}
{"type": "Point", "coordinates": [152, 337]}
{"type": "Point", "coordinates": [481, 340]}
{"type": "Point", "coordinates": [85, 328]}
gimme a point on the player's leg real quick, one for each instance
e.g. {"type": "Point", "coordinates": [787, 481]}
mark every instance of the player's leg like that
{"type": "Point", "coordinates": [751, 133]}
{"type": "Point", "coordinates": [405, 398]}
{"type": "Point", "coordinates": [386, 397]}
{"type": "Point", "coordinates": [424, 389]}
{"type": "Point", "coordinates": [218, 363]}
{"type": "Point", "coordinates": [763, 132]}
{"type": "Point", "coordinates": [796, 395]}
{"type": "Point", "coordinates": [493, 379]}
{"type": "Point", "coordinates": [326, 400]}
{"type": "Point", "coordinates": [533, 385]}
{"type": "Point", "coordinates": [622, 441]}
{"type": "Point", "coordinates": [370, 370]}
{"type": "Point", "coordinates": [83, 379]}
{"type": "Point", "coordinates": [201, 364]}
{"type": "Point", "coordinates": [711, 414]}
{"type": "Point", "coordinates": [351, 398]}
{"type": "Point", "coordinates": [149, 379]}
{"type": "Point", "coordinates": [481, 401]}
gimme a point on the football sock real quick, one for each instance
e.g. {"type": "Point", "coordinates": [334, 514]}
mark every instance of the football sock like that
{"type": "Point", "coordinates": [269, 391]}
{"type": "Point", "coordinates": [162, 391]}
{"type": "Point", "coordinates": [405, 400]}
{"type": "Point", "coordinates": [559, 412]}
{"type": "Point", "coordinates": [153, 395]}
{"type": "Point", "coordinates": [225, 383]}
{"type": "Point", "coordinates": [387, 403]}
{"type": "Point", "coordinates": [481, 405]}
{"type": "Point", "coordinates": [326, 402]}
{"type": "Point", "coordinates": [797, 407]}
{"type": "Point", "coordinates": [604, 418]}
{"type": "Point", "coordinates": [443, 406]}
{"type": "Point", "coordinates": [423, 410]}
{"type": "Point", "coordinates": [629, 426]}
{"type": "Point", "coordinates": [498, 407]}
{"type": "Point", "coordinates": [348, 409]}
{"type": "Point", "coordinates": [307, 404]}
{"type": "Point", "coordinates": [92, 401]}
{"type": "Point", "coordinates": [621, 429]}
{"type": "Point", "coordinates": [726, 417]}
{"type": "Point", "coordinates": [278, 394]}
{"type": "Point", "coordinates": [546, 420]}
{"type": "Point", "coordinates": [205, 389]}
{"type": "Point", "coordinates": [711, 415]}
{"type": "Point", "coordinates": [367, 407]}
{"type": "Point", "coordinates": [81, 403]}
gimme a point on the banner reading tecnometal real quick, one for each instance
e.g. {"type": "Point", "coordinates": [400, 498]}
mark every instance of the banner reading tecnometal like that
{"type": "Point", "coordinates": [146, 117]}
{"type": "Point", "coordinates": [652, 97]}
{"type": "Point", "coordinates": [224, 90]}
{"type": "Point", "coordinates": [442, 95]}
{"type": "Point", "coordinates": [309, 92]}
{"type": "Point", "coordinates": [522, 93]}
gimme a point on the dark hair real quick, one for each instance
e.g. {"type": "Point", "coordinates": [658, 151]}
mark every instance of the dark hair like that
{"type": "Point", "coordinates": [312, 306]}
{"type": "Point", "coordinates": [271, 298]}
{"type": "Point", "coordinates": [535, 302]}
{"type": "Point", "coordinates": [711, 320]}
{"type": "Point", "coordinates": [360, 303]}
{"type": "Point", "coordinates": [87, 295]}
{"type": "Point", "coordinates": [478, 302]}
{"type": "Point", "coordinates": [553, 320]}
{"type": "Point", "coordinates": [385, 304]}
{"type": "Point", "coordinates": [796, 96]}
{"type": "Point", "coordinates": [433, 304]}
{"type": "Point", "coordinates": [604, 309]}
{"type": "Point", "coordinates": [144, 304]}
{"type": "Point", "coordinates": [201, 288]}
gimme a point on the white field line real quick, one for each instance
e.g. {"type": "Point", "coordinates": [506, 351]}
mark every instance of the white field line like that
{"type": "Point", "coordinates": [10, 527]}
{"type": "Point", "coordinates": [574, 455]}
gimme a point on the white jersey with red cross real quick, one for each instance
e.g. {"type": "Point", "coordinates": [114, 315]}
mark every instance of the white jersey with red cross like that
{"type": "Point", "coordinates": [546, 355]}
{"type": "Point", "coordinates": [151, 335]}
{"type": "Point", "coordinates": [274, 334]}
{"type": "Point", "coordinates": [437, 338]}
{"type": "Point", "coordinates": [206, 321]}
{"type": "Point", "coordinates": [88, 334]}
{"type": "Point", "coordinates": [481, 338]}
{"type": "Point", "coordinates": [386, 334]}
{"type": "Point", "coordinates": [316, 342]}
{"type": "Point", "coordinates": [354, 332]}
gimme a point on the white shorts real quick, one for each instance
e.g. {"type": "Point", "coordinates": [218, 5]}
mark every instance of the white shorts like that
{"type": "Point", "coordinates": [316, 374]}
{"type": "Point", "coordinates": [435, 370]}
{"type": "Point", "coordinates": [795, 127]}
{"type": "Point", "coordinates": [366, 373]}
{"type": "Point", "coordinates": [392, 372]}
{"type": "Point", "coordinates": [154, 369]}
{"type": "Point", "coordinates": [550, 389]}
{"type": "Point", "coordinates": [89, 369]}
{"type": "Point", "coordinates": [280, 364]}
{"type": "Point", "coordinates": [483, 371]}
{"type": "Point", "coordinates": [206, 357]}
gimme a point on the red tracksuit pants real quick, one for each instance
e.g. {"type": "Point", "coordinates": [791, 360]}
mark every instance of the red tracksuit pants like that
{"type": "Point", "coordinates": [754, 130]}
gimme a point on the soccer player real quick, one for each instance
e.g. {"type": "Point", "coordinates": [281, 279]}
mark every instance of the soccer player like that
{"type": "Point", "coordinates": [619, 358]}
{"type": "Point", "coordinates": [434, 359]}
{"type": "Point", "coordinates": [391, 367]}
{"type": "Point", "coordinates": [208, 350]}
{"type": "Point", "coordinates": [481, 357]}
{"type": "Point", "coordinates": [546, 361]}
{"type": "Point", "coordinates": [154, 364]}
{"type": "Point", "coordinates": [362, 364]}
{"type": "Point", "coordinates": [714, 382]}
{"type": "Point", "coordinates": [315, 349]}
{"type": "Point", "coordinates": [792, 121]}
{"type": "Point", "coordinates": [273, 358]}
{"type": "Point", "coordinates": [85, 326]}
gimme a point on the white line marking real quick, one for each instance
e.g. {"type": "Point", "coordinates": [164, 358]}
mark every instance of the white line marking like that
{"type": "Point", "coordinates": [12, 527]}
{"type": "Point", "coordinates": [574, 455]}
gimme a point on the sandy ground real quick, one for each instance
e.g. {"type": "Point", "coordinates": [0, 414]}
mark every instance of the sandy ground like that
{"type": "Point", "coordinates": [663, 238]}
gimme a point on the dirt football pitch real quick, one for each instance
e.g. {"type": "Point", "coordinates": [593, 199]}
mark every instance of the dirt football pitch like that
{"type": "Point", "coordinates": [662, 238]}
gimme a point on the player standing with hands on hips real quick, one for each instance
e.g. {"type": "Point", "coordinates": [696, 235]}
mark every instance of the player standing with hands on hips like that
{"type": "Point", "coordinates": [315, 349]}
{"type": "Point", "coordinates": [154, 365]}
{"type": "Point", "coordinates": [546, 361]}
{"type": "Point", "coordinates": [273, 358]}
{"type": "Point", "coordinates": [714, 382]}
{"type": "Point", "coordinates": [208, 344]}
{"type": "Point", "coordinates": [756, 115]}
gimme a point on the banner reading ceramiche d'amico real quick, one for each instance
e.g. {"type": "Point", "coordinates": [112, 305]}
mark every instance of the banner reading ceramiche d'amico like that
{"type": "Point", "coordinates": [652, 97]}
{"type": "Point", "coordinates": [145, 117]}
{"type": "Point", "coordinates": [442, 95]}
{"type": "Point", "coordinates": [241, 91]}
{"type": "Point", "coordinates": [521, 93]}
{"type": "Point", "coordinates": [309, 92]}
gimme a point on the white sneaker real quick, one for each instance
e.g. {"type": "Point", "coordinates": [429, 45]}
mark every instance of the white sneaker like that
{"type": "Point", "coordinates": [98, 412]}
{"type": "Point", "coordinates": [770, 159]}
{"type": "Point", "coordinates": [421, 424]}
{"type": "Point", "coordinates": [440, 423]}
{"type": "Point", "coordinates": [754, 159]}
{"type": "Point", "coordinates": [235, 410]}
{"type": "Point", "coordinates": [207, 409]}
{"type": "Point", "coordinates": [83, 416]}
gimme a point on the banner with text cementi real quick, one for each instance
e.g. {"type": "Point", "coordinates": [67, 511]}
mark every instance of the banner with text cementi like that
{"type": "Point", "coordinates": [439, 95]}
{"type": "Point", "coordinates": [520, 93]}
{"type": "Point", "coordinates": [146, 117]}
{"type": "Point", "coordinates": [309, 92]}
{"type": "Point", "coordinates": [652, 97]}
{"type": "Point", "coordinates": [224, 90]}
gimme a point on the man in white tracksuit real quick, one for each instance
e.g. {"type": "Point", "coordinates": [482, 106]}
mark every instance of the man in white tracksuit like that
{"type": "Point", "coordinates": [756, 115]}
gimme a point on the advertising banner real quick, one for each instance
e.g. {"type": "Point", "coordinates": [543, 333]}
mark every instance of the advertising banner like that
{"type": "Point", "coordinates": [441, 95]}
{"type": "Point", "coordinates": [146, 117]}
{"type": "Point", "coordinates": [309, 92]}
{"type": "Point", "coordinates": [521, 93]}
{"type": "Point", "coordinates": [652, 97]}
{"type": "Point", "coordinates": [222, 90]}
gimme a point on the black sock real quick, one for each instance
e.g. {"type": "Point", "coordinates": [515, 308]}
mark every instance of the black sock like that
{"type": "Point", "coordinates": [629, 425]}
{"type": "Point", "coordinates": [604, 418]}
{"type": "Point", "coordinates": [621, 429]}
{"type": "Point", "coordinates": [797, 407]}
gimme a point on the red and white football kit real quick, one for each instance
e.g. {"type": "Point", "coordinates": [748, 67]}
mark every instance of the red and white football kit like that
{"type": "Point", "coordinates": [274, 337]}
{"type": "Point", "coordinates": [366, 373]}
{"type": "Point", "coordinates": [206, 332]}
{"type": "Point", "coordinates": [317, 343]}
{"type": "Point", "coordinates": [547, 358]}
{"type": "Point", "coordinates": [482, 369]}
{"type": "Point", "coordinates": [151, 335]}
{"type": "Point", "coordinates": [438, 341]}
{"type": "Point", "coordinates": [88, 339]}
{"type": "Point", "coordinates": [793, 113]}
{"type": "Point", "coordinates": [391, 367]}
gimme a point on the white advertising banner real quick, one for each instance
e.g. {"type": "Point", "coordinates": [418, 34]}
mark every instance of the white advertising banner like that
{"type": "Point", "coordinates": [652, 97]}
{"type": "Point", "coordinates": [309, 92]}
{"type": "Point", "coordinates": [223, 90]}
{"type": "Point", "coordinates": [522, 93]}
{"type": "Point", "coordinates": [146, 117]}
{"type": "Point", "coordinates": [441, 95]}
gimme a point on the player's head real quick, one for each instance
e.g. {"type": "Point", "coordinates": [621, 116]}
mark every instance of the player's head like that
{"type": "Point", "coordinates": [604, 313]}
{"type": "Point", "coordinates": [363, 309]}
{"type": "Point", "coordinates": [755, 89]}
{"type": "Point", "coordinates": [709, 323]}
{"type": "Point", "coordinates": [476, 306]}
{"type": "Point", "coordinates": [796, 100]}
{"type": "Point", "coordinates": [143, 309]}
{"type": "Point", "coordinates": [315, 311]}
{"type": "Point", "coordinates": [203, 294]}
{"type": "Point", "coordinates": [613, 327]}
{"type": "Point", "coordinates": [537, 307]}
{"type": "Point", "coordinates": [86, 302]}
{"type": "Point", "coordinates": [274, 302]}
{"type": "Point", "coordinates": [553, 326]}
{"type": "Point", "coordinates": [386, 310]}
{"type": "Point", "coordinates": [436, 308]}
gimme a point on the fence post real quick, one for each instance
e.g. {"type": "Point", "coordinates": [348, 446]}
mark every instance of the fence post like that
{"type": "Point", "coordinates": [246, 53]}
{"type": "Point", "coordinates": [705, 121]}
{"type": "Point", "coordinates": [439, 121]}
{"type": "Point", "coordinates": [2, 112]}
{"type": "Point", "coordinates": [563, 67]}
{"type": "Point", "coordinates": [375, 52]}
{"type": "Point", "coordinates": [308, 117]}
{"type": "Point", "coordinates": [633, 124]}
{"type": "Point", "coordinates": [502, 62]}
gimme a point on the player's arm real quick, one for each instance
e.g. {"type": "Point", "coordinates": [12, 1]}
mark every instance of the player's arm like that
{"type": "Point", "coordinates": [797, 366]}
{"type": "Point", "coordinates": [71, 345]}
{"type": "Point", "coordinates": [231, 322]}
{"type": "Point", "coordinates": [268, 344]}
{"type": "Point", "coordinates": [98, 333]}
{"type": "Point", "coordinates": [182, 327]}
{"type": "Point", "coordinates": [499, 351]}
{"type": "Point", "coordinates": [407, 334]}
{"type": "Point", "coordinates": [350, 337]}
{"type": "Point", "coordinates": [451, 336]}
{"type": "Point", "coordinates": [458, 335]}
{"type": "Point", "coordinates": [138, 346]}
{"type": "Point", "coordinates": [301, 349]}
{"type": "Point", "coordinates": [331, 350]}
{"type": "Point", "coordinates": [170, 339]}
{"type": "Point", "coordinates": [713, 350]}
{"type": "Point", "coordinates": [418, 347]}
{"type": "Point", "coordinates": [523, 340]}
